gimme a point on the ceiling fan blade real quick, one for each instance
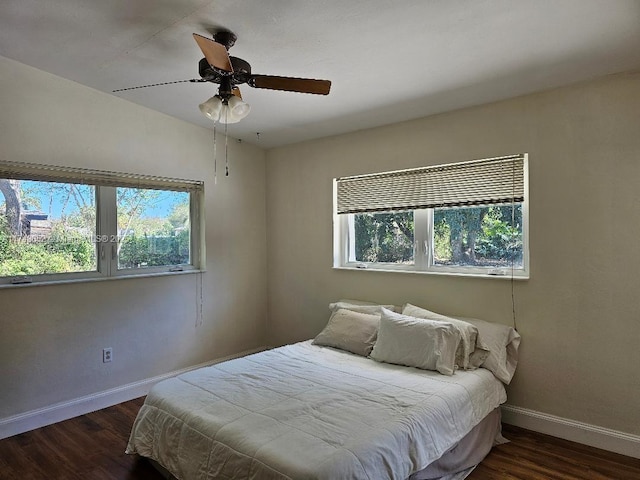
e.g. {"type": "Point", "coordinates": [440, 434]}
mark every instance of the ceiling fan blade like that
{"type": "Point", "coordinates": [291, 84]}
{"type": "Point", "coordinates": [215, 53]}
{"type": "Point", "coordinates": [236, 92]}
{"type": "Point", "coordinates": [192, 80]}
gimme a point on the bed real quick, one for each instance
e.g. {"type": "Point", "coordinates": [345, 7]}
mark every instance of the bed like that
{"type": "Point", "coordinates": [312, 411]}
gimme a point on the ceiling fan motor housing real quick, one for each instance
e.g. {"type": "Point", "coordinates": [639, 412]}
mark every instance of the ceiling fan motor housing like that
{"type": "Point", "coordinates": [241, 71]}
{"type": "Point", "coordinates": [226, 38]}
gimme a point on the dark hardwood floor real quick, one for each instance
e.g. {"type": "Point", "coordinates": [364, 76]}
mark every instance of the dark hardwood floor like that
{"type": "Point", "coordinates": [532, 455]}
{"type": "Point", "coordinates": [91, 447]}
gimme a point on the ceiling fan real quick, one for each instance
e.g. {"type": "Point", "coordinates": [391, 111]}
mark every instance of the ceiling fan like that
{"type": "Point", "coordinates": [219, 67]}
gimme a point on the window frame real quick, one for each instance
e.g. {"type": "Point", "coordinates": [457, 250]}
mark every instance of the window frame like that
{"type": "Point", "coordinates": [105, 184]}
{"type": "Point", "coordinates": [343, 248]}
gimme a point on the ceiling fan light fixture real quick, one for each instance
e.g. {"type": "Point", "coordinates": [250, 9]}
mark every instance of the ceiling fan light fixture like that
{"type": "Point", "coordinates": [212, 107]}
{"type": "Point", "coordinates": [239, 109]}
{"type": "Point", "coordinates": [226, 116]}
{"type": "Point", "coordinates": [227, 111]}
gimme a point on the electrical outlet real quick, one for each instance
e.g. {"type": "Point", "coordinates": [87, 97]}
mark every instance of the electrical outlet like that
{"type": "Point", "coordinates": [107, 354]}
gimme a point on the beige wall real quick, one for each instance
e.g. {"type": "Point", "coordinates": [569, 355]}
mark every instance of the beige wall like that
{"type": "Point", "coordinates": [51, 337]}
{"type": "Point", "coordinates": [579, 312]}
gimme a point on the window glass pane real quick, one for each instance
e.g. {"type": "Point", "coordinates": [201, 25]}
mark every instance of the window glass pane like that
{"type": "Point", "coordinates": [46, 227]}
{"type": "Point", "coordinates": [384, 237]}
{"type": "Point", "coordinates": [478, 236]}
{"type": "Point", "coordinates": [153, 228]}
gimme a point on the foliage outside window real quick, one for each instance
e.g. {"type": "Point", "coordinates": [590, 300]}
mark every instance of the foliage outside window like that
{"type": "Point", "coordinates": [384, 237]}
{"type": "Point", "coordinates": [153, 228]}
{"type": "Point", "coordinates": [58, 230]}
{"type": "Point", "coordinates": [487, 237]}
{"type": "Point", "coordinates": [476, 239]}
{"type": "Point", "coordinates": [46, 228]}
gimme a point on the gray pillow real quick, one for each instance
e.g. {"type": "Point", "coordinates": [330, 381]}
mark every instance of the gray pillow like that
{"type": "Point", "coordinates": [503, 342]}
{"type": "Point", "coordinates": [416, 342]}
{"type": "Point", "coordinates": [354, 332]}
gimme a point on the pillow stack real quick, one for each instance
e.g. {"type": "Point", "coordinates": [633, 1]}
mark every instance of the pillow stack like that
{"type": "Point", "coordinates": [421, 338]}
{"type": "Point", "coordinates": [471, 353]}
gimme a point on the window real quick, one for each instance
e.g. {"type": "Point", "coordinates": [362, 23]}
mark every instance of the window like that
{"type": "Point", "coordinates": [46, 227]}
{"type": "Point", "coordinates": [382, 237]}
{"type": "Point", "coordinates": [61, 223]}
{"type": "Point", "coordinates": [467, 218]}
{"type": "Point", "coordinates": [153, 228]}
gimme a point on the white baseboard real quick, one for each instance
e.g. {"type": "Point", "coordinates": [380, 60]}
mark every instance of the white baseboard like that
{"type": "Point", "coordinates": [58, 412]}
{"type": "Point", "coordinates": [592, 435]}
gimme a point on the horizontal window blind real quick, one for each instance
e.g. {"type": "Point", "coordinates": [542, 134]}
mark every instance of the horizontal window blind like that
{"type": "Point", "coordinates": [50, 173]}
{"type": "Point", "coordinates": [479, 182]}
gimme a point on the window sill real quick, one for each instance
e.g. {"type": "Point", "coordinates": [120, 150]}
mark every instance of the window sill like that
{"type": "Point", "coordinates": [43, 283]}
{"type": "Point", "coordinates": [501, 276]}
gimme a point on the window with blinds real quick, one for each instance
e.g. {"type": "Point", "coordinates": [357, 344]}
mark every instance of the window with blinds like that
{"type": "Point", "coordinates": [61, 223]}
{"type": "Point", "coordinates": [462, 218]}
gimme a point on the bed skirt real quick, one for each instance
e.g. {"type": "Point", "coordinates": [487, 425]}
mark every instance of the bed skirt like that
{"type": "Point", "coordinates": [456, 464]}
{"type": "Point", "coordinates": [468, 452]}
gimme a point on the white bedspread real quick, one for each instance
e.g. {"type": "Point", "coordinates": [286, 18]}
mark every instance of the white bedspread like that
{"type": "Point", "coordinates": [308, 412]}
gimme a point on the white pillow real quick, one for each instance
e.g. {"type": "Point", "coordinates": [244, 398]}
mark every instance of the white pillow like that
{"type": "Point", "coordinates": [351, 331]}
{"type": "Point", "coordinates": [416, 342]}
{"type": "Point", "coordinates": [470, 354]}
{"type": "Point", "coordinates": [503, 342]}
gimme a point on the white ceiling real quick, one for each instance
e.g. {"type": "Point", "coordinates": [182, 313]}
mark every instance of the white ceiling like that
{"type": "Point", "coordinates": [388, 60]}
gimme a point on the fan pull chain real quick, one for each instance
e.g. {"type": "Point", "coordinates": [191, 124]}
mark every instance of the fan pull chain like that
{"type": "Point", "coordinates": [215, 156]}
{"type": "Point", "coordinates": [226, 151]}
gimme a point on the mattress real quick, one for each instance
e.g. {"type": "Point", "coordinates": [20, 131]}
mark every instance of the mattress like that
{"type": "Point", "coordinates": [308, 412]}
